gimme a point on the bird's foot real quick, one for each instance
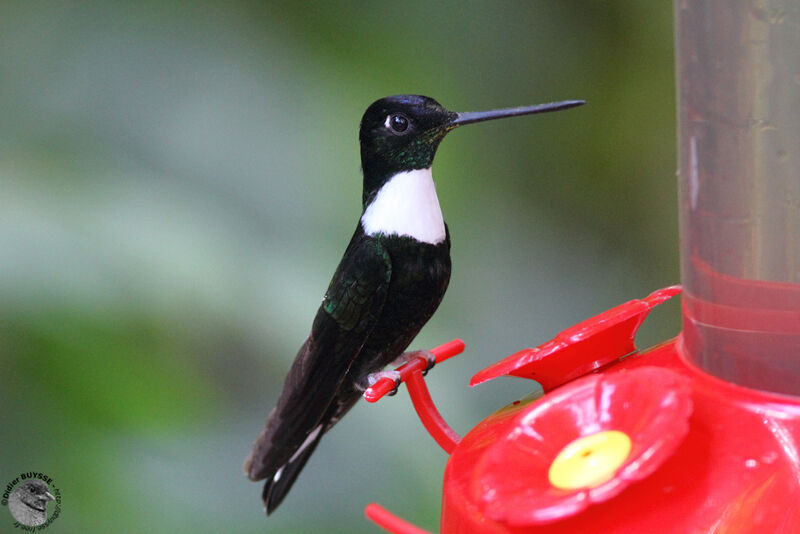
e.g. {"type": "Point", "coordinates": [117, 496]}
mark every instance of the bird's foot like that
{"type": "Point", "coordinates": [408, 356]}
{"type": "Point", "coordinates": [373, 378]}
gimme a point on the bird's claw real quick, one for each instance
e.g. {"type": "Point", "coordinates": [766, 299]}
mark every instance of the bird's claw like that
{"type": "Point", "coordinates": [395, 376]}
{"type": "Point", "coordinates": [395, 389]}
{"type": "Point", "coordinates": [430, 357]}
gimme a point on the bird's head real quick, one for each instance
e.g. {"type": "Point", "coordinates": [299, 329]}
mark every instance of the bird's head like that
{"type": "Point", "coordinates": [28, 502]}
{"type": "Point", "coordinates": [401, 133]}
{"type": "Point", "coordinates": [34, 494]}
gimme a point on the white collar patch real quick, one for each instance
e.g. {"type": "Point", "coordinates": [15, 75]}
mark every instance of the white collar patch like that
{"type": "Point", "coordinates": [406, 205]}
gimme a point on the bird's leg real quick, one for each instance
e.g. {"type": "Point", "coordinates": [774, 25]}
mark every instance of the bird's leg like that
{"type": "Point", "coordinates": [373, 378]}
{"type": "Point", "coordinates": [408, 356]}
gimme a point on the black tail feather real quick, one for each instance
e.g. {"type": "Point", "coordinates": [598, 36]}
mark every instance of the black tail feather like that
{"type": "Point", "coordinates": [276, 487]}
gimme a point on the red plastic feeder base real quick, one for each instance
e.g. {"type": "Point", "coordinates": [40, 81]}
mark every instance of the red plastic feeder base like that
{"type": "Point", "coordinates": [623, 442]}
{"type": "Point", "coordinates": [698, 454]}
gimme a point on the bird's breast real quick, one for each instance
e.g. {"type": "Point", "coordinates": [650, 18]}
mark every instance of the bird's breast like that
{"type": "Point", "coordinates": [420, 275]}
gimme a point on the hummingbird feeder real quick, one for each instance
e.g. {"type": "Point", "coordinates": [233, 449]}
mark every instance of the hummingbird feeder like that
{"type": "Point", "coordinates": [700, 433]}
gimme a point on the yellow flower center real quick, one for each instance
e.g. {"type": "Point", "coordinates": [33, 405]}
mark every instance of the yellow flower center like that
{"type": "Point", "coordinates": [589, 461]}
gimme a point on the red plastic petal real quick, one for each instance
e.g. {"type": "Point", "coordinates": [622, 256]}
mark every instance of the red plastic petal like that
{"type": "Point", "coordinates": [651, 405]}
{"type": "Point", "coordinates": [585, 347]}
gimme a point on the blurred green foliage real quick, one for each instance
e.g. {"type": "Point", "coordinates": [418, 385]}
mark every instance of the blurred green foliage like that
{"type": "Point", "coordinates": [179, 179]}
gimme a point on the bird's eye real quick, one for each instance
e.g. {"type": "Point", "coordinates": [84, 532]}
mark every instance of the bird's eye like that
{"type": "Point", "coordinates": [32, 489]}
{"type": "Point", "coordinates": [397, 123]}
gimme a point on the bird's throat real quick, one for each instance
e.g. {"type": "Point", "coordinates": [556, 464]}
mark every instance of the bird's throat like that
{"type": "Point", "coordinates": [406, 205]}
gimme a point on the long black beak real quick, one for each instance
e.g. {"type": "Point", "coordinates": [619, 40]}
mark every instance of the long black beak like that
{"type": "Point", "coordinates": [477, 116]}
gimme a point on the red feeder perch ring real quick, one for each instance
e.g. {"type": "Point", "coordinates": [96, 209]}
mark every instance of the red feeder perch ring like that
{"type": "Point", "coordinates": [411, 374]}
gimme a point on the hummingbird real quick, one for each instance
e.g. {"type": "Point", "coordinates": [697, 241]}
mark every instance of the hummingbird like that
{"type": "Point", "coordinates": [392, 277]}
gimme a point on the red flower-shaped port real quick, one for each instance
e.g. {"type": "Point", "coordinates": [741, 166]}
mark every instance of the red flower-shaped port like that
{"type": "Point", "coordinates": [583, 444]}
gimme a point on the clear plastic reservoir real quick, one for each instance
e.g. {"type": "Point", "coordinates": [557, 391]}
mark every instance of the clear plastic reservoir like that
{"type": "Point", "coordinates": [739, 144]}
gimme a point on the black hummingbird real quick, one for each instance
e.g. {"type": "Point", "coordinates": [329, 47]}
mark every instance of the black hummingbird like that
{"type": "Point", "coordinates": [390, 281]}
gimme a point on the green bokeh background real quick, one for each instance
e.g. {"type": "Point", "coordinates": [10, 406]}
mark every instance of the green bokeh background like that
{"type": "Point", "coordinates": [178, 181]}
